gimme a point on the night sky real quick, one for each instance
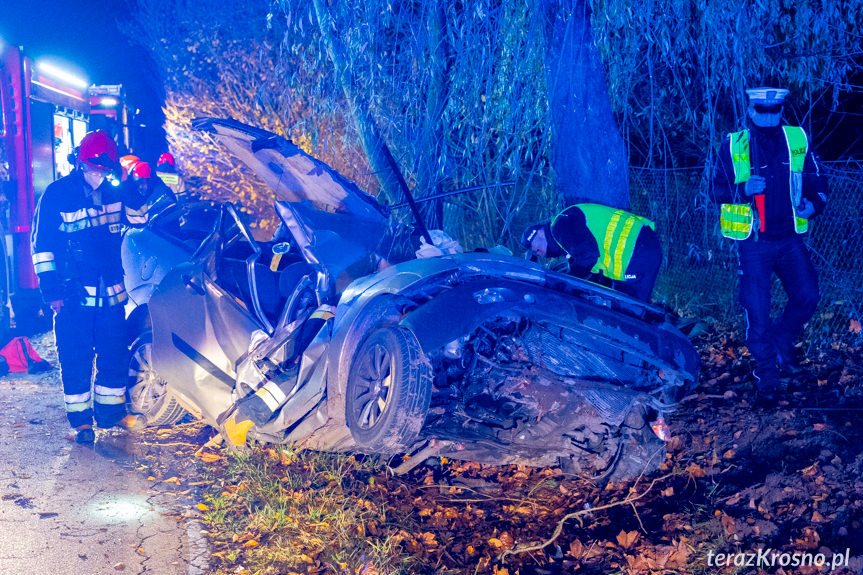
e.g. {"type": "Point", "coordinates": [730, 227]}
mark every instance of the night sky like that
{"type": "Point", "coordinates": [84, 37]}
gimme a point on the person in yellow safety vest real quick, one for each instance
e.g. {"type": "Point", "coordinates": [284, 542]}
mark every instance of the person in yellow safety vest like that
{"type": "Point", "coordinates": [166, 170]}
{"type": "Point", "coordinates": [602, 244]}
{"type": "Point", "coordinates": [769, 183]}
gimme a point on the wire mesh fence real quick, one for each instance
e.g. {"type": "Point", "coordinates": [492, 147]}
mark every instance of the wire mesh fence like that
{"type": "Point", "coordinates": [699, 279]}
{"type": "Point", "coordinates": [699, 273]}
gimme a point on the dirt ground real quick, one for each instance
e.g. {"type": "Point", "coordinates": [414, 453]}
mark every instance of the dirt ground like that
{"type": "Point", "coordinates": [75, 509]}
{"type": "Point", "coordinates": [740, 479]}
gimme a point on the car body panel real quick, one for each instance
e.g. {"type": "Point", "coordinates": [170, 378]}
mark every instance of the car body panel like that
{"type": "Point", "coordinates": [199, 333]}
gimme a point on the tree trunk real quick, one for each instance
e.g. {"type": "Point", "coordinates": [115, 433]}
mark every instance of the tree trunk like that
{"type": "Point", "coordinates": [587, 151]}
{"type": "Point", "coordinates": [375, 148]}
{"type": "Point", "coordinates": [431, 141]}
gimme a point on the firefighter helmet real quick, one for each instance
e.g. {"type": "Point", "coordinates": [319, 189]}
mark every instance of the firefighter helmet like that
{"type": "Point", "coordinates": [99, 150]}
{"type": "Point", "coordinates": [165, 158]}
{"type": "Point", "coordinates": [128, 161]}
{"type": "Point", "coordinates": [142, 170]}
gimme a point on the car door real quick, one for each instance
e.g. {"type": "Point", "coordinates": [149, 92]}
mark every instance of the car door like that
{"type": "Point", "coordinates": [200, 330]}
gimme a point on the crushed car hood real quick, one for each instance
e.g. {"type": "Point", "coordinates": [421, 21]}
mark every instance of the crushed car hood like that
{"type": "Point", "coordinates": [292, 174]}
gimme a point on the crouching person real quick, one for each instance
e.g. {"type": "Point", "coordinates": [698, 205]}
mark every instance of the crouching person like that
{"type": "Point", "coordinates": [602, 244]}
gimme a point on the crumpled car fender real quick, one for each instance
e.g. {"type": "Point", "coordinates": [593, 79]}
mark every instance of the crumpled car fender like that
{"type": "Point", "coordinates": [368, 302]}
{"type": "Point", "coordinates": [461, 309]}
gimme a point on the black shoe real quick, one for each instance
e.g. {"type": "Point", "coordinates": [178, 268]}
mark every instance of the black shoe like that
{"type": "Point", "coordinates": [767, 398]}
{"type": "Point", "coordinates": [789, 367]}
{"type": "Point", "coordinates": [85, 435]}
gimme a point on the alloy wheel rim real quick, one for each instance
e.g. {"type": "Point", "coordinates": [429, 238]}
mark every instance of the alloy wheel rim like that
{"type": "Point", "coordinates": [147, 388]}
{"type": "Point", "coordinates": [373, 393]}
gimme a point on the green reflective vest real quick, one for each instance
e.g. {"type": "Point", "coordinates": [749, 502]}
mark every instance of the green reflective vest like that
{"type": "Point", "coordinates": [615, 232]}
{"type": "Point", "coordinates": [737, 220]}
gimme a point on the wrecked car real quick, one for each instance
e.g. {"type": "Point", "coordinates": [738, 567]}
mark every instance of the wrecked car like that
{"type": "Point", "coordinates": [302, 340]}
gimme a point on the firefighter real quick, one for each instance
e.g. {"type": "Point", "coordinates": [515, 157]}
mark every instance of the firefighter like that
{"type": "Point", "coordinates": [769, 184]}
{"type": "Point", "coordinates": [166, 170]}
{"type": "Point", "coordinates": [127, 162]}
{"type": "Point", "coordinates": [76, 254]}
{"type": "Point", "coordinates": [606, 245]}
{"type": "Point", "coordinates": [156, 192]}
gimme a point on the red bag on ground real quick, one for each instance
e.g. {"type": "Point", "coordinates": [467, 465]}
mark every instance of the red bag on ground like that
{"type": "Point", "coordinates": [21, 356]}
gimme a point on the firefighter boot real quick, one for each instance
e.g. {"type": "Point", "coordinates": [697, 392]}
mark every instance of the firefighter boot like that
{"type": "Point", "coordinates": [84, 434]}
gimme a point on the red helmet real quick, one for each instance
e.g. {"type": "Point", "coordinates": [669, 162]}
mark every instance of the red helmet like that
{"type": "Point", "coordinates": [142, 170]}
{"type": "Point", "coordinates": [99, 150]}
{"type": "Point", "coordinates": [128, 161]}
{"type": "Point", "coordinates": [166, 158]}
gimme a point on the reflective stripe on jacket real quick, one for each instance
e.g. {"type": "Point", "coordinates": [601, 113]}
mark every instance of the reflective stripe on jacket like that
{"type": "Point", "coordinates": [75, 241]}
{"type": "Point", "coordinates": [737, 220]}
{"type": "Point", "coordinates": [615, 232]}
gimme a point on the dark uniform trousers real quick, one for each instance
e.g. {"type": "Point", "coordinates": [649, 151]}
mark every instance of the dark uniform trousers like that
{"type": "Point", "coordinates": [84, 333]}
{"type": "Point", "coordinates": [766, 340]}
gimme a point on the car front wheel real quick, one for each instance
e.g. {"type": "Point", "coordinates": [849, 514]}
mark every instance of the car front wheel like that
{"type": "Point", "coordinates": [148, 393]}
{"type": "Point", "coordinates": [388, 391]}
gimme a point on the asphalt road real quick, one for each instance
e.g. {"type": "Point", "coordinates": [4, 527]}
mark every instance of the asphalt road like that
{"type": "Point", "coordinates": [68, 509]}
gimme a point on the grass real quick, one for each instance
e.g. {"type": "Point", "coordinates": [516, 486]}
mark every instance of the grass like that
{"type": "Point", "coordinates": [291, 511]}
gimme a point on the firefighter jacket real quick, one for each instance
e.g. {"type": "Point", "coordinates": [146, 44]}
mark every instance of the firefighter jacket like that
{"type": "Point", "coordinates": [596, 238]}
{"type": "Point", "coordinates": [75, 241]}
{"type": "Point", "coordinates": [792, 172]}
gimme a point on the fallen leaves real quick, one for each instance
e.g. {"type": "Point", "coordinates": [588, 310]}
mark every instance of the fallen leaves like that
{"type": "Point", "coordinates": [729, 526]}
{"type": "Point", "coordinates": [627, 539]}
{"type": "Point", "coordinates": [657, 558]}
{"type": "Point", "coordinates": [503, 542]}
{"type": "Point", "coordinates": [209, 457]}
{"type": "Point", "coordinates": [464, 516]}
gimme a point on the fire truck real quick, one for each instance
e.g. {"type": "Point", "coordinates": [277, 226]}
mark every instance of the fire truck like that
{"type": "Point", "coordinates": [45, 114]}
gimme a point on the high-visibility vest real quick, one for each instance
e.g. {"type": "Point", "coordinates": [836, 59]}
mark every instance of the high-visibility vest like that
{"type": "Point", "coordinates": [616, 232]}
{"type": "Point", "coordinates": [737, 220]}
{"type": "Point", "coordinates": [173, 181]}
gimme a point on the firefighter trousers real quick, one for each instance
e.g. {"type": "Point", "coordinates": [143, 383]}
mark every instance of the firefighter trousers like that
{"type": "Point", "coordinates": [82, 334]}
{"type": "Point", "coordinates": [789, 259]}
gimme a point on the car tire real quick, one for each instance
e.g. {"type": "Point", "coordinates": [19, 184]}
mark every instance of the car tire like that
{"type": "Point", "coordinates": [388, 391]}
{"type": "Point", "coordinates": [147, 392]}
